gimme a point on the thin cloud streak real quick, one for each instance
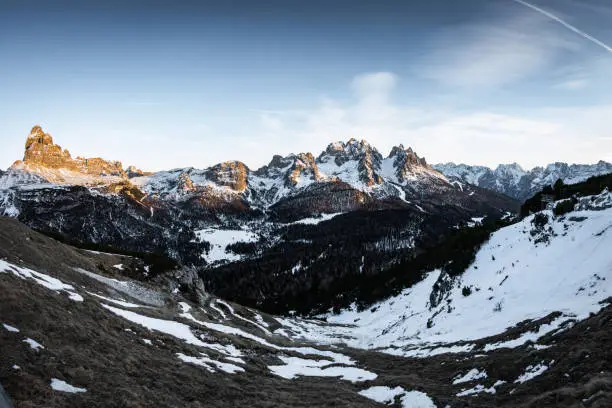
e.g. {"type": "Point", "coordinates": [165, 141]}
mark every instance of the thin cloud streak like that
{"type": "Point", "coordinates": [565, 24]}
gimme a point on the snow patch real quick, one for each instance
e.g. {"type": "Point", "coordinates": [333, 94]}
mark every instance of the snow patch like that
{"type": "Point", "coordinates": [206, 362]}
{"type": "Point", "coordinates": [382, 394]}
{"type": "Point", "coordinates": [47, 281]}
{"type": "Point", "coordinates": [115, 301]}
{"type": "Point", "coordinates": [63, 386]}
{"type": "Point", "coordinates": [34, 345]}
{"type": "Point", "coordinates": [409, 399]}
{"type": "Point", "coordinates": [316, 220]}
{"type": "Point", "coordinates": [473, 374]}
{"type": "Point", "coordinates": [296, 366]}
{"type": "Point", "coordinates": [531, 372]}
{"type": "Point", "coordinates": [10, 328]}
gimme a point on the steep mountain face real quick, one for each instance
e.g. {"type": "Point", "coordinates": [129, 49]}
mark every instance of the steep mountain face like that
{"type": "Point", "coordinates": [513, 181]}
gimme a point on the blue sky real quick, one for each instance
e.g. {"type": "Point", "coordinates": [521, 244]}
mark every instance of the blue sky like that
{"type": "Point", "coordinates": [163, 84]}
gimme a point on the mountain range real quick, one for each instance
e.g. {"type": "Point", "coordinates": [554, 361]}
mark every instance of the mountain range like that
{"type": "Point", "coordinates": [513, 181]}
{"type": "Point", "coordinates": [355, 163]}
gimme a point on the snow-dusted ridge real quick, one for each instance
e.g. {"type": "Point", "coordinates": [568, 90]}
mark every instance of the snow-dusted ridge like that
{"type": "Point", "coordinates": [355, 163]}
{"type": "Point", "coordinates": [514, 181]}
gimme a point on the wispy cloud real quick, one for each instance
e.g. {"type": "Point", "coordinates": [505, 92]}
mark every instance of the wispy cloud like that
{"type": "Point", "coordinates": [504, 49]}
{"type": "Point", "coordinates": [573, 84]}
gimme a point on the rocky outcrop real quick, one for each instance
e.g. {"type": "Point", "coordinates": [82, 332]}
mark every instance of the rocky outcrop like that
{"type": "Point", "coordinates": [232, 174]}
{"type": "Point", "coordinates": [40, 149]}
{"type": "Point", "coordinates": [43, 156]}
{"type": "Point", "coordinates": [132, 171]}
{"type": "Point", "coordinates": [304, 167]}
{"type": "Point", "coordinates": [184, 183]}
{"type": "Point", "coordinates": [408, 165]}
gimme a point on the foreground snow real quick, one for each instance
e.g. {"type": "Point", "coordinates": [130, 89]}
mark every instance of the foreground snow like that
{"type": "Point", "coordinates": [512, 279]}
{"type": "Point", "coordinates": [328, 363]}
{"type": "Point", "coordinates": [296, 366]}
{"type": "Point", "coordinates": [42, 279]}
{"type": "Point", "coordinates": [409, 399]}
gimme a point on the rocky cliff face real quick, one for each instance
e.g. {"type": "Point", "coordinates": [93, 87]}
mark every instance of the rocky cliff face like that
{"type": "Point", "coordinates": [229, 174]}
{"type": "Point", "coordinates": [408, 164]}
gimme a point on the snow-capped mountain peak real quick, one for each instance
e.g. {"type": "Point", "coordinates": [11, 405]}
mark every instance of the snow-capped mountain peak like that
{"type": "Point", "coordinates": [355, 162]}
{"type": "Point", "coordinates": [404, 165]}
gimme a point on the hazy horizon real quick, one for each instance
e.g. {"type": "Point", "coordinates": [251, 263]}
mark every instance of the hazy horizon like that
{"type": "Point", "coordinates": [161, 85]}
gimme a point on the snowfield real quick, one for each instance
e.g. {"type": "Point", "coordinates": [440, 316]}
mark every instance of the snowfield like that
{"type": "Point", "coordinates": [219, 240]}
{"type": "Point", "coordinates": [315, 220]}
{"type": "Point", "coordinates": [514, 278]}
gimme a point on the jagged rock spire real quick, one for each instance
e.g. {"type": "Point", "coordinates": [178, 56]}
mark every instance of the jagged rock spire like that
{"type": "Point", "coordinates": [38, 136]}
{"type": "Point", "coordinates": [41, 153]}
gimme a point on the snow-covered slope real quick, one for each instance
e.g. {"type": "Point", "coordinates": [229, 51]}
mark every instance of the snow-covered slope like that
{"type": "Point", "coordinates": [514, 181]}
{"type": "Point", "coordinates": [526, 271]}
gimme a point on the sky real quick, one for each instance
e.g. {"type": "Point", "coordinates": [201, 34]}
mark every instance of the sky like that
{"type": "Point", "coordinates": [165, 84]}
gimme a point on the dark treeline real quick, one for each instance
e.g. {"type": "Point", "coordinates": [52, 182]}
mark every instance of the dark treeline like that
{"type": "Point", "coordinates": [360, 257]}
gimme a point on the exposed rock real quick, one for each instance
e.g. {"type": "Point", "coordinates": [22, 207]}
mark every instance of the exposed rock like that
{"type": "Point", "coordinates": [304, 166]}
{"type": "Point", "coordinates": [367, 158]}
{"type": "Point", "coordinates": [232, 174]}
{"type": "Point", "coordinates": [184, 183]}
{"type": "Point", "coordinates": [132, 171]}
{"type": "Point", "coordinates": [408, 164]}
{"type": "Point", "coordinates": [42, 156]}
